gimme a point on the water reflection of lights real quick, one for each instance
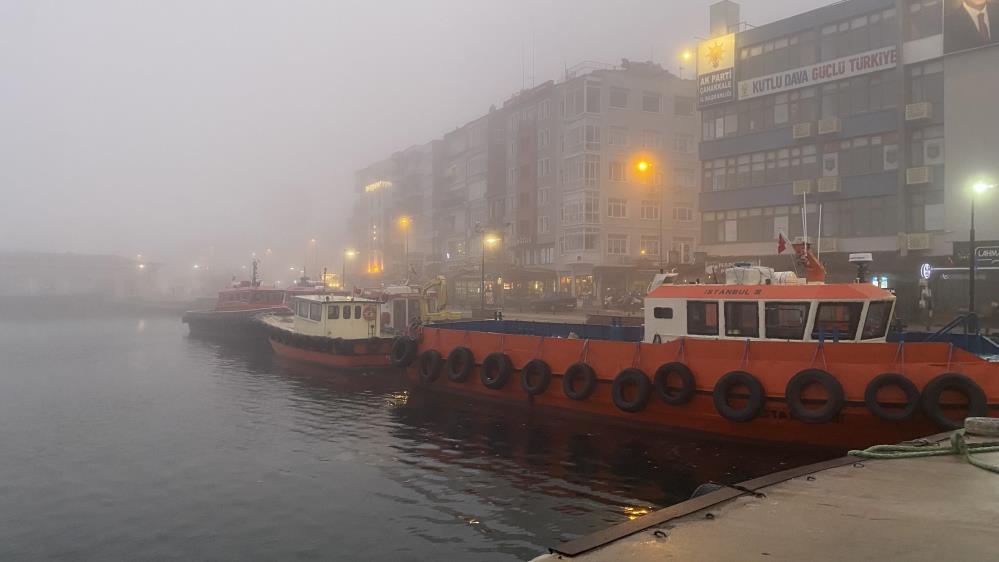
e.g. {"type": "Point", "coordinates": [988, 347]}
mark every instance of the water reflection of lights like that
{"type": "Point", "coordinates": [399, 398]}
{"type": "Point", "coordinates": [636, 512]}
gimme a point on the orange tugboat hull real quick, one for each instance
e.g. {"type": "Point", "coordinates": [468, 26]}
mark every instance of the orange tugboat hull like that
{"type": "Point", "coordinates": [353, 362]}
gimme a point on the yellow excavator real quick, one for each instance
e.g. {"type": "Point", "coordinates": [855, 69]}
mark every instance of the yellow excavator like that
{"type": "Point", "coordinates": [433, 301]}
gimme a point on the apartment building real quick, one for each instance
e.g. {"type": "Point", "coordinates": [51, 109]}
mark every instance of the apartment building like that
{"type": "Point", "coordinates": [836, 120]}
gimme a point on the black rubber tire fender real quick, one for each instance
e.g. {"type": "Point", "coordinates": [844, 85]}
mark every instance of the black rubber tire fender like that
{"type": "Point", "coordinates": [643, 390]}
{"type": "Point", "coordinates": [403, 351]}
{"type": "Point", "coordinates": [754, 404]}
{"type": "Point", "coordinates": [535, 368]}
{"type": "Point", "coordinates": [496, 370]}
{"type": "Point", "coordinates": [806, 378]}
{"type": "Point", "coordinates": [977, 401]}
{"type": "Point", "coordinates": [459, 364]}
{"type": "Point", "coordinates": [687, 385]}
{"type": "Point", "coordinates": [890, 414]}
{"type": "Point", "coordinates": [583, 372]}
{"type": "Point", "coordinates": [429, 365]}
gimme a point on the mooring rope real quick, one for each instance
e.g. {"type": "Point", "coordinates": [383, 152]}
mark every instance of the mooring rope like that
{"type": "Point", "coordinates": [956, 446]}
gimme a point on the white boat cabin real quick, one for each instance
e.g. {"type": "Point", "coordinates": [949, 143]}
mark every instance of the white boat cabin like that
{"type": "Point", "coordinates": [349, 318]}
{"type": "Point", "coordinates": [769, 311]}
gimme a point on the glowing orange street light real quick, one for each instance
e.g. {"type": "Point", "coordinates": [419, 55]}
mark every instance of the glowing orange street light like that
{"type": "Point", "coordinates": [643, 166]}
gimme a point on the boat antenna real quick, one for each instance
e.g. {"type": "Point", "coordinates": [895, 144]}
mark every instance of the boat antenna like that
{"type": "Point", "coordinates": [818, 237]}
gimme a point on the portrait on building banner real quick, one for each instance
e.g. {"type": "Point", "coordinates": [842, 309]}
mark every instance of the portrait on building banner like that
{"type": "Point", "coordinates": [969, 24]}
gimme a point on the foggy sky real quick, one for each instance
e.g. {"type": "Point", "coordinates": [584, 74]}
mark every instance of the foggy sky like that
{"type": "Point", "coordinates": [167, 128]}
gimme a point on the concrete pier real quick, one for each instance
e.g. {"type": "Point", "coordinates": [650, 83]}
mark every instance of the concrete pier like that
{"type": "Point", "coordinates": [931, 508]}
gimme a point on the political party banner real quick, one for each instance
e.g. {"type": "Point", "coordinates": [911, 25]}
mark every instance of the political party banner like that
{"type": "Point", "coordinates": [716, 70]}
{"type": "Point", "coordinates": [969, 24]}
{"type": "Point", "coordinates": [820, 73]}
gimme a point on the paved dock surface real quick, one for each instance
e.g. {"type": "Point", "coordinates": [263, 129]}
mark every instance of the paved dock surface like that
{"type": "Point", "coordinates": [935, 508]}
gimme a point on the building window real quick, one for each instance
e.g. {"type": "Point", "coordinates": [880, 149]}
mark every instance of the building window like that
{"type": "Point", "coordinates": [682, 250]}
{"type": "Point", "coordinates": [592, 99]}
{"type": "Point", "coordinates": [617, 208]}
{"type": "Point", "coordinates": [544, 167]}
{"type": "Point", "coordinates": [544, 138]}
{"type": "Point", "coordinates": [652, 102]}
{"type": "Point", "coordinates": [786, 320]}
{"type": "Point", "coordinates": [650, 210]}
{"type": "Point", "coordinates": [742, 320]}
{"type": "Point", "coordinates": [684, 214]}
{"type": "Point", "coordinates": [649, 246]}
{"type": "Point", "coordinates": [702, 318]}
{"type": "Point", "coordinates": [617, 244]}
{"type": "Point", "coordinates": [543, 226]}
{"type": "Point", "coordinates": [683, 142]}
{"type": "Point", "coordinates": [683, 106]}
{"type": "Point", "coordinates": [684, 177]}
{"type": "Point", "coordinates": [580, 239]}
{"type": "Point", "coordinates": [544, 110]}
{"type": "Point", "coordinates": [617, 171]}
{"type": "Point", "coordinates": [619, 98]}
{"type": "Point", "coordinates": [617, 136]}
{"type": "Point", "coordinates": [544, 195]}
{"type": "Point", "coordinates": [652, 139]}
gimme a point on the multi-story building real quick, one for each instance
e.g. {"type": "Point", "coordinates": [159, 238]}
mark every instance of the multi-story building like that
{"type": "Point", "coordinates": [836, 121]}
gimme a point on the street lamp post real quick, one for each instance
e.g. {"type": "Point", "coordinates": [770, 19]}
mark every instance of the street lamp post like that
{"type": "Point", "coordinates": [644, 167]}
{"type": "Point", "coordinates": [343, 267]}
{"type": "Point", "coordinates": [404, 223]}
{"type": "Point", "coordinates": [978, 188]}
{"type": "Point", "coordinates": [486, 241]}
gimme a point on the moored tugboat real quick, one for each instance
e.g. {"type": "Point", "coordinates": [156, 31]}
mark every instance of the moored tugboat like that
{"type": "Point", "coordinates": [334, 331]}
{"type": "Point", "coordinates": [760, 355]}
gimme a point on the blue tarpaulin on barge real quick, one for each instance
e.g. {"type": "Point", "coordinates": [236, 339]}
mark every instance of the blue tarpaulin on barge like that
{"type": "Point", "coordinates": [547, 329]}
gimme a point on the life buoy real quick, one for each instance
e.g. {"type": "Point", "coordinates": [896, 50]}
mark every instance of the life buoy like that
{"type": "Point", "coordinates": [403, 351]}
{"type": "Point", "coordinates": [670, 395]}
{"type": "Point", "coordinates": [369, 312]}
{"type": "Point", "coordinates": [892, 414]}
{"type": "Point", "coordinates": [535, 377]}
{"type": "Point", "coordinates": [796, 404]}
{"type": "Point", "coordinates": [585, 375]}
{"type": "Point", "coordinates": [754, 402]}
{"type": "Point", "coordinates": [459, 364]}
{"type": "Point", "coordinates": [977, 405]}
{"type": "Point", "coordinates": [643, 389]}
{"type": "Point", "coordinates": [429, 365]}
{"type": "Point", "coordinates": [495, 370]}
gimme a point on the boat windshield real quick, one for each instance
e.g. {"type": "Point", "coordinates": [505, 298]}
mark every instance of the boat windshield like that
{"type": "Point", "coordinates": [878, 319]}
{"type": "Point", "coordinates": [837, 320]}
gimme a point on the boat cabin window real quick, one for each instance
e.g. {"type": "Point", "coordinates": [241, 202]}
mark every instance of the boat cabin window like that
{"type": "Point", "coordinates": [663, 312]}
{"type": "Point", "coordinates": [742, 319]}
{"type": "Point", "coordinates": [878, 316]}
{"type": "Point", "coordinates": [786, 320]}
{"type": "Point", "coordinates": [357, 311]}
{"type": "Point", "coordinates": [315, 311]}
{"type": "Point", "coordinates": [837, 320]}
{"type": "Point", "coordinates": [333, 313]}
{"type": "Point", "coordinates": [702, 318]}
{"type": "Point", "coordinates": [346, 312]}
{"type": "Point", "coordinates": [303, 309]}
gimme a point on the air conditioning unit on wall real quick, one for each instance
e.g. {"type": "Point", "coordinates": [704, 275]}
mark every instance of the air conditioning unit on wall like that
{"type": "Point", "coordinates": [801, 130]}
{"type": "Point", "coordinates": [829, 126]}
{"type": "Point", "coordinates": [829, 245]}
{"type": "Point", "coordinates": [918, 241]}
{"type": "Point", "coordinates": [919, 176]}
{"type": "Point", "coordinates": [829, 184]}
{"type": "Point", "coordinates": [917, 111]}
{"type": "Point", "coordinates": [802, 187]}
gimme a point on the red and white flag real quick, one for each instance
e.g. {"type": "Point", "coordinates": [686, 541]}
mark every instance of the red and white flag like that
{"type": "Point", "coordinates": [781, 243]}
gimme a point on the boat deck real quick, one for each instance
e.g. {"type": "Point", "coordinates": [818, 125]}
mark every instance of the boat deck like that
{"type": "Point", "coordinates": [931, 508]}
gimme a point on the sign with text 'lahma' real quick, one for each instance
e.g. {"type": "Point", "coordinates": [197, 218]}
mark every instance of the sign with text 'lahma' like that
{"type": "Point", "coordinates": [838, 69]}
{"type": "Point", "coordinates": [716, 70]}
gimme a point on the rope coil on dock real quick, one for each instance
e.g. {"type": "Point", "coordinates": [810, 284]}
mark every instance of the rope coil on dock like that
{"type": "Point", "coordinates": [956, 446]}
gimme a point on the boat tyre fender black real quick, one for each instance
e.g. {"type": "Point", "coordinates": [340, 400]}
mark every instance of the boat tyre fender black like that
{"type": "Point", "coordinates": [535, 377]}
{"type": "Point", "coordinates": [892, 414]}
{"type": "Point", "coordinates": [579, 381]}
{"type": "Point", "coordinates": [754, 402]}
{"type": "Point", "coordinates": [977, 405]}
{"type": "Point", "coordinates": [496, 370]}
{"type": "Point", "coordinates": [459, 364]}
{"type": "Point", "coordinates": [643, 390]}
{"type": "Point", "coordinates": [403, 351]}
{"type": "Point", "coordinates": [670, 395]}
{"type": "Point", "coordinates": [429, 365]}
{"type": "Point", "coordinates": [796, 404]}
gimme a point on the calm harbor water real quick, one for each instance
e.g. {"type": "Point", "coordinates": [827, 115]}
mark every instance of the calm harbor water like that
{"type": "Point", "coordinates": [124, 438]}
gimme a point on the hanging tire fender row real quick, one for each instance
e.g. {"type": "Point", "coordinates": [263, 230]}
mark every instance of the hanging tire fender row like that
{"type": "Point", "coordinates": [459, 364]}
{"type": "Point", "coordinates": [579, 381]}
{"type": "Point", "coordinates": [403, 351]}
{"type": "Point", "coordinates": [879, 410]}
{"type": "Point", "coordinates": [754, 400]}
{"type": "Point", "coordinates": [631, 377]}
{"type": "Point", "coordinates": [496, 370]}
{"type": "Point", "coordinates": [535, 377]}
{"type": "Point", "coordinates": [429, 365]}
{"type": "Point", "coordinates": [977, 401]}
{"type": "Point", "coordinates": [796, 402]}
{"type": "Point", "coordinates": [670, 395]}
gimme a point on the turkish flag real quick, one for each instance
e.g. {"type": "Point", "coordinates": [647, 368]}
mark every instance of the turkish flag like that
{"type": "Point", "coordinates": [781, 243]}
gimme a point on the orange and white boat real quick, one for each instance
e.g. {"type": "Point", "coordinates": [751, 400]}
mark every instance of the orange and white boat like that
{"type": "Point", "coordinates": [763, 355]}
{"type": "Point", "coordinates": [335, 331]}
